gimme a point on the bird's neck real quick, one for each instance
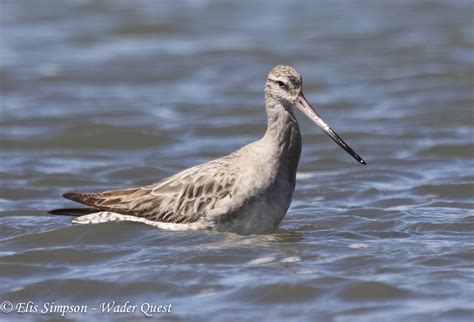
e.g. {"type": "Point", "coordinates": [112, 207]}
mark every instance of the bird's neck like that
{"type": "Point", "coordinates": [282, 126]}
{"type": "Point", "coordinates": [283, 134]}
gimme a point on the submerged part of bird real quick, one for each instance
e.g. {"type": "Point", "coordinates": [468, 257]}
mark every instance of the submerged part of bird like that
{"type": "Point", "coordinates": [246, 192]}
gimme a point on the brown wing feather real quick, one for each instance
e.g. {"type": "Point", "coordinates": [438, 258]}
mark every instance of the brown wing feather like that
{"type": "Point", "coordinates": [182, 198]}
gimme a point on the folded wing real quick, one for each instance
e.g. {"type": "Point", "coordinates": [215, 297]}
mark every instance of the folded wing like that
{"type": "Point", "coordinates": [182, 198]}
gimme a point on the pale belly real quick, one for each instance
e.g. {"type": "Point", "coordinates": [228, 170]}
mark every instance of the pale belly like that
{"type": "Point", "coordinates": [259, 218]}
{"type": "Point", "coordinates": [261, 215]}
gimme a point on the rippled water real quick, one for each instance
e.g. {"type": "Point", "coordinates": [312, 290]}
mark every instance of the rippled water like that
{"type": "Point", "coordinates": [100, 95]}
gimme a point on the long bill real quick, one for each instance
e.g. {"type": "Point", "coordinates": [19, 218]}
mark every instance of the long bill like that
{"type": "Point", "coordinates": [303, 105]}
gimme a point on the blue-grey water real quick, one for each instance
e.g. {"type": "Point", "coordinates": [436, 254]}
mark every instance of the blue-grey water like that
{"type": "Point", "coordinates": [99, 95]}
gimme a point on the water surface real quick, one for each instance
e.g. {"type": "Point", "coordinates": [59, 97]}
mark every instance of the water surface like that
{"type": "Point", "coordinates": [100, 95]}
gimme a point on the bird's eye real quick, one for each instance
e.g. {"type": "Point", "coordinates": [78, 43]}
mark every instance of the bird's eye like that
{"type": "Point", "coordinates": [281, 84]}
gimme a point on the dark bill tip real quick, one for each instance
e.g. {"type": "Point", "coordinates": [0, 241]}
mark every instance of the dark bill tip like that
{"type": "Point", "coordinates": [303, 105]}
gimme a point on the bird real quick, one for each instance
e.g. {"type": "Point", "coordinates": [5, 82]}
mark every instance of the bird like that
{"type": "Point", "coordinates": [246, 192]}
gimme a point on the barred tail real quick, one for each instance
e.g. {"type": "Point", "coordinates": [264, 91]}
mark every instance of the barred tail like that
{"type": "Point", "coordinates": [72, 211]}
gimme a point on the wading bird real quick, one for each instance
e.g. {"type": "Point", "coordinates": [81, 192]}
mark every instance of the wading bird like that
{"type": "Point", "coordinates": [246, 192]}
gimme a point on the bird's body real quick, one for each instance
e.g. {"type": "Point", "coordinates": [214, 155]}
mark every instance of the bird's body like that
{"type": "Point", "coordinates": [246, 192]}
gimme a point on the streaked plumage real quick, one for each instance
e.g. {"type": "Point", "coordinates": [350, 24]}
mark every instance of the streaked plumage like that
{"type": "Point", "coordinates": [248, 191]}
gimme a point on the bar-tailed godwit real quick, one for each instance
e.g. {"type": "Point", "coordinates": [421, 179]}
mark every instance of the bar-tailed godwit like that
{"type": "Point", "coordinates": [246, 192]}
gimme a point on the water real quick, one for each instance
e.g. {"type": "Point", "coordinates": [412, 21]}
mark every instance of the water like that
{"type": "Point", "coordinates": [100, 95]}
